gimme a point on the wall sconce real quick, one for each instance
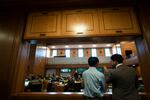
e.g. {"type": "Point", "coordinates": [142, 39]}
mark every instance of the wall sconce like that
{"type": "Point", "coordinates": [80, 29]}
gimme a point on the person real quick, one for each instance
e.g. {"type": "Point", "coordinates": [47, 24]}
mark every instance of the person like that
{"type": "Point", "coordinates": [93, 81]}
{"type": "Point", "coordinates": [70, 85]}
{"type": "Point", "coordinates": [44, 84]}
{"type": "Point", "coordinates": [123, 79]}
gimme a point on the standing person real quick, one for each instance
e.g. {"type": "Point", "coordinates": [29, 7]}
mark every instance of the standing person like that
{"type": "Point", "coordinates": [93, 81]}
{"type": "Point", "coordinates": [123, 79]}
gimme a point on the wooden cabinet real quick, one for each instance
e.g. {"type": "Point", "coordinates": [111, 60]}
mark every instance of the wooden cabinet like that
{"type": "Point", "coordinates": [74, 19]}
{"type": "Point", "coordinates": [43, 25]}
{"type": "Point", "coordinates": [95, 22]}
{"type": "Point", "coordinates": [118, 21]}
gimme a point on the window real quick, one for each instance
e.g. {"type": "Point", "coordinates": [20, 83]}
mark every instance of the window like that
{"type": "Point", "coordinates": [41, 51]}
{"type": "Point", "coordinates": [47, 52]}
{"type": "Point", "coordinates": [54, 53]}
{"type": "Point", "coordinates": [93, 53]}
{"type": "Point", "coordinates": [118, 49]}
{"type": "Point", "coordinates": [107, 52]}
{"type": "Point", "coordinates": [80, 52]}
{"type": "Point", "coordinates": [67, 52]}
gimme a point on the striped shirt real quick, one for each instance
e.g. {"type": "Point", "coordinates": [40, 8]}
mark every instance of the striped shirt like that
{"type": "Point", "coordinates": [94, 82]}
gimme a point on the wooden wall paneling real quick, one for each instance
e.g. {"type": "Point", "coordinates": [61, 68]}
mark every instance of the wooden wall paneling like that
{"type": "Point", "coordinates": [144, 18]}
{"type": "Point", "coordinates": [19, 59]}
{"type": "Point", "coordinates": [22, 64]}
{"type": "Point", "coordinates": [11, 29]}
{"type": "Point", "coordinates": [144, 44]}
{"type": "Point", "coordinates": [144, 56]}
{"type": "Point", "coordinates": [31, 59]}
{"type": "Point", "coordinates": [40, 60]}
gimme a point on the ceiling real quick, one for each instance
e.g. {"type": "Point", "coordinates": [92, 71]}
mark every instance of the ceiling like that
{"type": "Point", "coordinates": [61, 3]}
{"type": "Point", "coordinates": [81, 46]}
{"type": "Point", "coordinates": [82, 40]}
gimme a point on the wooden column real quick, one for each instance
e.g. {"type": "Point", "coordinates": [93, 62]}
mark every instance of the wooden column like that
{"type": "Point", "coordinates": [143, 44]}
{"type": "Point", "coordinates": [11, 31]}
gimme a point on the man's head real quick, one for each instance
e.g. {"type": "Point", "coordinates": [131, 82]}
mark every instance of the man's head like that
{"type": "Point", "coordinates": [93, 61]}
{"type": "Point", "coordinates": [116, 59]}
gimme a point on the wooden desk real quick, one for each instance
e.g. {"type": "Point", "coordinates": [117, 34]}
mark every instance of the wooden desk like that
{"type": "Point", "coordinates": [63, 96]}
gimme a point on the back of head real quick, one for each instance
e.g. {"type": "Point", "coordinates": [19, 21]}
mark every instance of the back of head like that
{"type": "Point", "coordinates": [117, 57]}
{"type": "Point", "coordinates": [92, 61]}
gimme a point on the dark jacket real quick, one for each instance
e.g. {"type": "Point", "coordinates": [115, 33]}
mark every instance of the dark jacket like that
{"type": "Point", "coordinates": [123, 80]}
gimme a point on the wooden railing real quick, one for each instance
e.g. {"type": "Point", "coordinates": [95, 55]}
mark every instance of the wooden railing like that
{"type": "Point", "coordinates": [63, 96]}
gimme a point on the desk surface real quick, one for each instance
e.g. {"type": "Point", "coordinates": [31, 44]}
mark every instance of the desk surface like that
{"type": "Point", "coordinates": [65, 93]}
{"type": "Point", "coordinates": [63, 96]}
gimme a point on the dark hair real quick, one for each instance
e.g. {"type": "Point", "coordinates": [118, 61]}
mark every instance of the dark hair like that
{"type": "Point", "coordinates": [117, 57]}
{"type": "Point", "coordinates": [92, 61]}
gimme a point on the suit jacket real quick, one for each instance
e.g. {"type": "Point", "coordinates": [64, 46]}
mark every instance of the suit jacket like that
{"type": "Point", "coordinates": [123, 80]}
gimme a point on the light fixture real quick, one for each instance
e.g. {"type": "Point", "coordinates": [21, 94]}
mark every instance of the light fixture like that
{"type": "Point", "coordinates": [108, 45]}
{"type": "Point", "coordinates": [53, 47]}
{"type": "Point", "coordinates": [80, 46]}
{"type": "Point", "coordinates": [66, 46]}
{"type": "Point", "coordinates": [93, 45]}
{"type": "Point", "coordinates": [118, 45]}
{"type": "Point", "coordinates": [80, 29]}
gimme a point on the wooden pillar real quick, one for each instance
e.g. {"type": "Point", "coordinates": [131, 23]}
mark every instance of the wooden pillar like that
{"type": "Point", "coordinates": [143, 44]}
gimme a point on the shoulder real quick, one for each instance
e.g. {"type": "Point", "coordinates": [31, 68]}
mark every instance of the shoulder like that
{"type": "Point", "coordinates": [100, 73]}
{"type": "Point", "coordinates": [112, 70]}
{"type": "Point", "coordinates": [85, 72]}
{"type": "Point", "coordinates": [132, 69]}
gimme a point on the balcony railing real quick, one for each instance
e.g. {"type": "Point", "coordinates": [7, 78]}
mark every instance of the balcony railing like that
{"type": "Point", "coordinates": [75, 60]}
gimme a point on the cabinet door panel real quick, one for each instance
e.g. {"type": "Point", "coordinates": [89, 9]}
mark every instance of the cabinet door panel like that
{"type": "Point", "coordinates": [118, 21]}
{"type": "Point", "coordinates": [46, 23]}
{"type": "Point", "coordinates": [43, 25]}
{"type": "Point", "coordinates": [74, 18]}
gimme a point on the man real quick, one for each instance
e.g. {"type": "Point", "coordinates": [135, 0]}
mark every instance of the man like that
{"type": "Point", "coordinates": [123, 80]}
{"type": "Point", "coordinates": [93, 80]}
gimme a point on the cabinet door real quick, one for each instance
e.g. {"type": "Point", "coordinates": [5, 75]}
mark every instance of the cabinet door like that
{"type": "Point", "coordinates": [74, 20]}
{"type": "Point", "coordinates": [43, 25]}
{"type": "Point", "coordinates": [118, 21]}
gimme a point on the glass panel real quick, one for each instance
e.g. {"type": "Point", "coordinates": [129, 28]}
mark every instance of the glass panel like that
{"type": "Point", "coordinates": [94, 53]}
{"type": "Point", "coordinates": [54, 53]}
{"type": "Point", "coordinates": [107, 52]}
{"type": "Point", "coordinates": [118, 50]}
{"type": "Point", "coordinates": [67, 52]}
{"type": "Point", "coordinates": [80, 52]}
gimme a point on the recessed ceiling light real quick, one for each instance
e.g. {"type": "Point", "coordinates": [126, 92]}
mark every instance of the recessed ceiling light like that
{"type": "Point", "coordinates": [80, 46]}
{"type": "Point", "coordinates": [93, 45]}
{"type": "Point", "coordinates": [117, 45]}
{"type": "Point", "coordinates": [66, 46]}
{"type": "Point", "coordinates": [108, 45]}
{"type": "Point", "coordinates": [53, 47]}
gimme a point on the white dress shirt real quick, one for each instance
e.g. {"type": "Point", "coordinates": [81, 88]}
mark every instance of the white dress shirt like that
{"type": "Point", "coordinates": [119, 65]}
